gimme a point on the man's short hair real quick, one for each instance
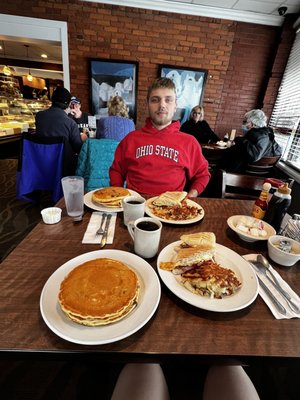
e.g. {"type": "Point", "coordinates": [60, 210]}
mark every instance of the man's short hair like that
{"type": "Point", "coordinates": [161, 83]}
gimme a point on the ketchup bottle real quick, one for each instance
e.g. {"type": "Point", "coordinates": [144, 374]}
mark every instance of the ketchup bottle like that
{"type": "Point", "coordinates": [261, 204]}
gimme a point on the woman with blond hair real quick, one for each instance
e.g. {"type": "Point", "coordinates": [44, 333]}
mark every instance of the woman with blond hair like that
{"type": "Point", "coordinates": [117, 125]}
{"type": "Point", "coordinates": [198, 127]}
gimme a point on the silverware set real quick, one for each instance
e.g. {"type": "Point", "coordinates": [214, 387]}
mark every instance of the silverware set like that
{"type": "Point", "coordinates": [103, 228]}
{"type": "Point", "coordinates": [292, 229]}
{"type": "Point", "coordinates": [262, 265]}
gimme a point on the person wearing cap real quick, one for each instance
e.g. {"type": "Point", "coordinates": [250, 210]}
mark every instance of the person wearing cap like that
{"type": "Point", "coordinates": [258, 141]}
{"type": "Point", "coordinates": [81, 118]}
{"type": "Point", "coordinates": [55, 122]}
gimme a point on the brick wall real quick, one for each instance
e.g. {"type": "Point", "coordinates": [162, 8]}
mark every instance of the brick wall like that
{"type": "Point", "coordinates": [238, 56]}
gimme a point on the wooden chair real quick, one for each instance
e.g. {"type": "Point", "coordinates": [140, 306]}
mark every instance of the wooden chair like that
{"type": "Point", "coordinates": [238, 186]}
{"type": "Point", "coordinates": [264, 166]}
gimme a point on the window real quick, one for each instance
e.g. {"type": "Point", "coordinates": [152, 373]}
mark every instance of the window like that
{"type": "Point", "coordinates": [285, 119]}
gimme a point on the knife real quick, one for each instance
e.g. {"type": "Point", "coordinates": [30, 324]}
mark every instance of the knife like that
{"type": "Point", "coordinates": [104, 236]}
{"type": "Point", "coordinates": [268, 292]}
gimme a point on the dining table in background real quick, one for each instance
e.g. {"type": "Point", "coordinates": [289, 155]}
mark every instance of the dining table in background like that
{"type": "Point", "coordinates": [177, 330]}
{"type": "Point", "coordinates": [213, 154]}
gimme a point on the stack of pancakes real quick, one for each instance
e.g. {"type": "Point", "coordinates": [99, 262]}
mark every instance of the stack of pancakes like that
{"type": "Point", "coordinates": [111, 196]}
{"type": "Point", "coordinates": [99, 292]}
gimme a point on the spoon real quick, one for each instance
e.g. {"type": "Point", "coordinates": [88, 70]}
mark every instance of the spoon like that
{"type": "Point", "coordinates": [265, 264]}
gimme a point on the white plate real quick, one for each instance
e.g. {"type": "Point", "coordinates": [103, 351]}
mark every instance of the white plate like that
{"type": "Point", "coordinates": [62, 326]}
{"type": "Point", "coordinates": [180, 222]}
{"type": "Point", "coordinates": [98, 207]}
{"type": "Point", "coordinates": [226, 258]}
{"type": "Point", "coordinates": [232, 222]}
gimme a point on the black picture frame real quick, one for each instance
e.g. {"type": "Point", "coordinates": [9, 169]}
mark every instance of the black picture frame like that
{"type": "Point", "coordinates": [109, 78]}
{"type": "Point", "coordinates": [190, 85]}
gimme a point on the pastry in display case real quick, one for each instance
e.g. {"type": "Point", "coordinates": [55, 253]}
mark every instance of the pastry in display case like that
{"type": "Point", "coordinates": [18, 115]}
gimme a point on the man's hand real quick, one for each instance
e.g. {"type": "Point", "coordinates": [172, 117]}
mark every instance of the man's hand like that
{"type": "Point", "coordinates": [193, 193]}
{"type": "Point", "coordinates": [83, 136]}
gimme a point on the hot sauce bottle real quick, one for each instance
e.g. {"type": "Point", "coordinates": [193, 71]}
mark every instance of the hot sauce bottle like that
{"type": "Point", "coordinates": [261, 204]}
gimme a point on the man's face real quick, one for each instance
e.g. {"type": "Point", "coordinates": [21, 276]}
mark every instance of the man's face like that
{"type": "Point", "coordinates": [162, 107]}
{"type": "Point", "coordinates": [75, 109]}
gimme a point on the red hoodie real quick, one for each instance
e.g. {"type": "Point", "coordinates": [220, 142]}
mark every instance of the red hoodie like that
{"type": "Point", "coordinates": [153, 161]}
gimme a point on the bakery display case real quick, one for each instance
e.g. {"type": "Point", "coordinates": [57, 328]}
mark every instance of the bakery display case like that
{"type": "Point", "coordinates": [17, 114]}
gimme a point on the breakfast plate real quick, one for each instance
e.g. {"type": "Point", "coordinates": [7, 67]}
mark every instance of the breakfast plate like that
{"type": "Point", "coordinates": [227, 258]}
{"type": "Point", "coordinates": [150, 213]}
{"type": "Point", "coordinates": [98, 207]}
{"type": "Point", "coordinates": [62, 326]}
{"type": "Point", "coordinates": [246, 236]}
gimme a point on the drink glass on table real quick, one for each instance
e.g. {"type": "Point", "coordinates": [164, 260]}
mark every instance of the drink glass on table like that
{"type": "Point", "coordinates": [145, 233]}
{"type": "Point", "coordinates": [133, 208]}
{"type": "Point", "coordinates": [73, 188]}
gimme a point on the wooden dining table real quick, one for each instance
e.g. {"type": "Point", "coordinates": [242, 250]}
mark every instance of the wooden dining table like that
{"type": "Point", "coordinates": [177, 330]}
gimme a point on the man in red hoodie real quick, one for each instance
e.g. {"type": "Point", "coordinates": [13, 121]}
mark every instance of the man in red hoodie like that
{"type": "Point", "coordinates": [158, 157]}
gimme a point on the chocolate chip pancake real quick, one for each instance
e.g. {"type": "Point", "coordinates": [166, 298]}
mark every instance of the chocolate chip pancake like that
{"type": "Point", "coordinates": [99, 292]}
{"type": "Point", "coordinates": [111, 196]}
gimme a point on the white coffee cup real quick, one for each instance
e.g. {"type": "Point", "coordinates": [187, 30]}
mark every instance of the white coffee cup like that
{"type": "Point", "coordinates": [133, 208]}
{"type": "Point", "coordinates": [145, 233]}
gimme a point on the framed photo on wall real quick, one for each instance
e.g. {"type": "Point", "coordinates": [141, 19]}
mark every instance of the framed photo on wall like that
{"type": "Point", "coordinates": [110, 78]}
{"type": "Point", "coordinates": [190, 84]}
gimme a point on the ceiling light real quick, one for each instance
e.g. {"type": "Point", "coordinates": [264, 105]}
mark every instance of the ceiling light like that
{"type": "Point", "coordinates": [1, 48]}
{"type": "Point", "coordinates": [29, 76]}
{"type": "Point", "coordinates": [44, 55]}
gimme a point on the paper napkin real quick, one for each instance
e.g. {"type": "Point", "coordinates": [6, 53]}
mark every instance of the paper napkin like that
{"type": "Point", "coordinates": [90, 235]}
{"type": "Point", "coordinates": [289, 313]}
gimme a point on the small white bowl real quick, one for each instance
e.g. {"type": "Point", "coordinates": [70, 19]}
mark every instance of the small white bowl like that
{"type": "Point", "coordinates": [247, 237]}
{"type": "Point", "coordinates": [51, 215]}
{"type": "Point", "coordinates": [282, 257]}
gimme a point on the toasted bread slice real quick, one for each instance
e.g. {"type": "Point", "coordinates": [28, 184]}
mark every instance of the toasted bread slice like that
{"type": "Point", "coordinates": [170, 199]}
{"type": "Point", "coordinates": [202, 240]}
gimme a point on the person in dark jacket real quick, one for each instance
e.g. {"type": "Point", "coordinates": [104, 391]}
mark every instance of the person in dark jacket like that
{"type": "Point", "coordinates": [258, 141]}
{"type": "Point", "coordinates": [55, 122]}
{"type": "Point", "coordinates": [198, 127]}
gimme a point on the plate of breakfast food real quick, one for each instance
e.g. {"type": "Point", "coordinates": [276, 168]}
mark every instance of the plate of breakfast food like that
{"type": "Point", "coordinates": [206, 274]}
{"type": "Point", "coordinates": [83, 301]}
{"type": "Point", "coordinates": [250, 229]}
{"type": "Point", "coordinates": [108, 198]}
{"type": "Point", "coordinates": [174, 208]}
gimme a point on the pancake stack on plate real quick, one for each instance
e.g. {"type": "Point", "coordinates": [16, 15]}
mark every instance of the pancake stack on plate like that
{"type": "Point", "coordinates": [111, 196]}
{"type": "Point", "coordinates": [99, 292]}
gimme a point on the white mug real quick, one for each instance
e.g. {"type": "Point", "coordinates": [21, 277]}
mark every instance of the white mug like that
{"type": "Point", "coordinates": [133, 208]}
{"type": "Point", "coordinates": [145, 233]}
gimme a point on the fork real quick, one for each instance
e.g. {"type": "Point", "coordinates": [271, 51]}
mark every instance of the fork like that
{"type": "Point", "coordinates": [277, 286]}
{"type": "Point", "coordinates": [100, 231]}
{"type": "Point", "coordinates": [104, 236]}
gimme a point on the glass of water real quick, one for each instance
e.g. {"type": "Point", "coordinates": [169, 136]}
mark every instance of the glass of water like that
{"type": "Point", "coordinates": [73, 188]}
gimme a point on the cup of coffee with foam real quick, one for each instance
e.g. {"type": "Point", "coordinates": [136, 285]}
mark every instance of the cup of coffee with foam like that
{"type": "Point", "coordinates": [145, 233]}
{"type": "Point", "coordinates": [133, 208]}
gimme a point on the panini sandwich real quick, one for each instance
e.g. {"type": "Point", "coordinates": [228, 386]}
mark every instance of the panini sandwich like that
{"type": "Point", "coordinates": [175, 206]}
